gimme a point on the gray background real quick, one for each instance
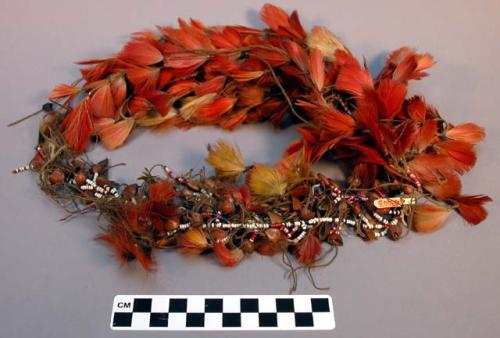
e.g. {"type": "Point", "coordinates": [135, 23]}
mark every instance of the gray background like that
{"type": "Point", "coordinates": [57, 282]}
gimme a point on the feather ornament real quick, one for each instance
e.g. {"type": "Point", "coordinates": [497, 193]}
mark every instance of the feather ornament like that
{"type": "Point", "coordinates": [324, 40]}
{"type": "Point", "coordinates": [192, 242]}
{"type": "Point", "coordinates": [468, 132]}
{"type": "Point", "coordinates": [77, 126]}
{"type": "Point", "coordinates": [266, 181]}
{"type": "Point", "coordinates": [317, 69]}
{"type": "Point", "coordinates": [461, 155]}
{"type": "Point", "coordinates": [227, 257]}
{"type": "Point", "coordinates": [140, 53]}
{"type": "Point", "coordinates": [63, 90]}
{"type": "Point", "coordinates": [115, 135]}
{"type": "Point", "coordinates": [162, 191]}
{"type": "Point", "coordinates": [102, 101]}
{"type": "Point", "coordinates": [428, 218]}
{"type": "Point", "coordinates": [226, 160]}
{"type": "Point", "coordinates": [308, 249]}
{"type": "Point", "coordinates": [471, 207]}
{"type": "Point", "coordinates": [126, 249]}
{"type": "Point", "coordinates": [352, 78]}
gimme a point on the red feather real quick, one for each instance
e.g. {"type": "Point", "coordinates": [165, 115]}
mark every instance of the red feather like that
{"type": "Point", "coordinates": [274, 17]}
{"type": "Point", "coordinates": [298, 55]}
{"type": "Point", "coordinates": [181, 88]}
{"type": "Point", "coordinates": [429, 168]}
{"type": "Point", "coordinates": [227, 257]}
{"type": "Point", "coordinates": [246, 75]}
{"type": "Point", "coordinates": [184, 60]}
{"type": "Point", "coordinates": [138, 106]}
{"type": "Point", "coordinates": [102, 101]}
{"type": "Point", "coordinates": [162, 191]}
{"type": "Point", "coordinates": [63, 90]}
{"type": "Point", "coordinates": [471, 208]}
{"type": "Point", "coordinates": [144, 79]}
{"type": "Point", "coordinates": [308, 249]}
{"type": "Point", "coordinates": [275, 58]}
{"type": "Point", "coordinates": [392, 95]}
{"type": "Point", "coordinates": [119, 89]}
{"type": "Point", "coordinates": [213, 85]}
{"type": "Point", "coordinates": [426, 135]}
{"type": "Point", "coordinates": [141, 53]}
{"type": "Point", "coordinates": [211, 112]}
{"type": "Point", "coordinates": [126, 249]}
{"type": "Point", "coordinates": [77, 126]}
{"type": "Point", "coordinates": [468, 132]}
{"type": "Point", "coordinates": [337, 123]}
{"type": "Point", "coordinates": [448, 186]}
{"type": "Point", "coordinates": [416, 109]}
{"type": "Point", "coordinates": [114, 135]}
{"type": "Point", "coordinates": [461, 154]}
{"type": "Point", "coordinates": [351, 78]}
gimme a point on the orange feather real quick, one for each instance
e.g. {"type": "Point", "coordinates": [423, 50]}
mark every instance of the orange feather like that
{"type": "Point", "coordinates": [126, 249]}
{"type": "Point", "coordinates": [213, 85]}
{"type": "Point", "coordinates": [192, 242]}
{"type": "Point", "coordinates": [462, 156]}
{"type": "Point", "coordinates": [317, 68]}
{"type": "Point", "coordinates": [161, 191]}
{"type": "Point", "coordinates": [211, 112]}
{"type": "Point", "coordinates": [416, 108]}
{"type": "Point", "coordinates": [226, 256]}
{"type": "Point", "coordinates": [144, 79]}
{"type": "Point", "coordinates": [141, 53]}
{"type": "Point", "coordinates": [308, 249]}
{"type": "Point", "coordinates": [447, 186]}
{"type": "Point", "coordinates": [392, 95]}
{"type": "Point", "coordinates": [63, 90]}
{"type": "Point", "coordinates": [471, 208]}
{"type": "Point", "coordinates": [351, 78]}
{"type": "Point", "coordinates": [114, 135]}
{"type": "Point", "coordinates": [468, 132]}
{"type": "Point", "coordinates": [184, 60]}
{"type": "Point", "coordinates": [118, 89]}
{"type": "Point", "coordinates": [77, 126]}
{"type": "Point", "coordinates": [428, 218]}
{"type": "Point", "coordinates": [298, 55]}
{"type": "Point", "coordinates": [102, 101]}
{"type": "Point", "coordinates": [274, 17]}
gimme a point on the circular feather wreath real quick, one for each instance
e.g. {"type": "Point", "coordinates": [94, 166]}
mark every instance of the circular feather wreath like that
{"type": "Point", "coordinates": [401, 159]}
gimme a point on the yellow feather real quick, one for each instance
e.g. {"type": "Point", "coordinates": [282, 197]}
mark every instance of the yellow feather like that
{"type": "Point", "coordinates": [266, 181]}
{"type": "Point", "coordinates": [226, 160]}
{"type": "Point", "coordinates": [324, 40]}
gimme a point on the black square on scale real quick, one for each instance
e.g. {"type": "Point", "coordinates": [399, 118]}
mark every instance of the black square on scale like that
{"type": "Point", "coordinates": [304, 319]}
{"type": "Point", "coordinates": [158, 319]}
{"type": "Point", "coordinates": [284, 305]}
{"type": "Point", "coordinates": [320, 305]}
{"type": "Point", "coordinates": [142, 305]}
{"type": "Point", "coordinates": [268, 319]}
{"type": "Point", "coordinates": [231, 320]}
{"type": "Point", "coordinates": [195, 319]}
{"type": "Point", "coordinates": [122, 319]}
{"type": "Point", "coordinates": [177, 305]}
{"type": "Point", "coordinates": [213, 305]}
{"type": "Point", "coordinates": [249, 305]}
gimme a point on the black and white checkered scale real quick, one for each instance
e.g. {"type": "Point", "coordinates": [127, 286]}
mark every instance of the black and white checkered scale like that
{"type": "Point", "coordinates": [231, 312]}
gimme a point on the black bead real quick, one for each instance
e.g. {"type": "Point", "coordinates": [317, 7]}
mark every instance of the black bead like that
{"type": "Point", "coordinates": [48, 107]}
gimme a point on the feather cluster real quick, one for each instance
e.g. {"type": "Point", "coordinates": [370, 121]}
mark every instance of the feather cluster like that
{"type": "Point", "coordinates": [402, 158]}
